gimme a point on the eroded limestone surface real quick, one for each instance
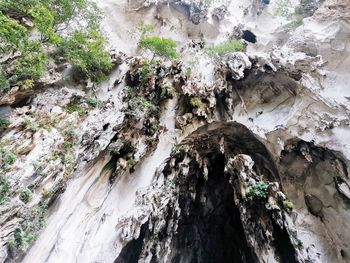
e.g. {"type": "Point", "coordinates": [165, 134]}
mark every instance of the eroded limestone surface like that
{"type": "Point", "coordinates": [242, 157]}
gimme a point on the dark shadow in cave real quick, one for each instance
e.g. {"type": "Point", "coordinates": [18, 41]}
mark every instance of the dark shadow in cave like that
{"type": "Point", "coordinates": [212, 231]}
{"type": "Point", "coordinates": [249, 36]}
{"type": "Point", "coordinates": [210, 227]}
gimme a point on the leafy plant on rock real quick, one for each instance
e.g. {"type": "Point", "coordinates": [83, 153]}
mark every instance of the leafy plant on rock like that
{"type": "Point", "coordinates": [25, 195]}
{"type": "Point", "coordinates": [26, 60]}
{"type": "Point", "coordinates": [257, 192]}
{"type": "Point", "coordinates": [163, 47]}
{"type": "Point", "coordinates": [225, 48]}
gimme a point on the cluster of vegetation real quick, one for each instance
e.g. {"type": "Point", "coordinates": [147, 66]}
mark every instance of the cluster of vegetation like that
{"type": "Point", "coordinates": [7, 158]}
{"type": "Point", "coordinates": [290, 11]}
{"type": "Point", "coordinates": [258, 192]}
{"type": "Point", "coordinates": [226, 47]}
{"type": "Point", "coordinates": [24, 237]}
{"type": "Point", "coordinates": [197, 102]}
{"type": "Point", "coordinates": [5, 188]}
{"type": "Point", "coordinates": [25, 195]}
{"type": "Point", "coordinates": [4, 124]}
{"type": "Point", "coordinates": [131, 164]}
{"type": "Point", "coordinates": [26, 55]}
{"type": "Point", "coordinates": [140, 107]}
{"type": "Point", "coordinates": [288, 204]}
{"type": "Point", "coordinates": [40, 120]}
{"type": "Point", "coordinates": [163, 47]}
{"type": "Point", "coordinates": [71, 107]}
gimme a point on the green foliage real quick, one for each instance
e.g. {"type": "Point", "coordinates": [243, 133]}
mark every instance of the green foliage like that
{"type": "Point", "coordinates": [86, 52]}
{"type": "Point", "coordinates": [44, 21]}
{"type": "Point", "coordinates": [142, 107]}
{"type": "Point", "coordinates": [11, 33]}
{"type": "Point", "coordinates": [5, 188]}
{"type": "Point", "coordinates": [145, 70]}
{"type": "Point", "coordinates": [67, 144]}
{"type": "Point", "coordinates": [188, 72]}
{"type": "Point", "coordinates": [284, 8]}
{"type": "Point", "coordinates": [163, 47]}
{"type": "Point", "coordinates": [24, 239]}
{"type": "Point", "coordinates": [92, 102]}
{"type": "Point", "coordinates": [83, 46]}
{"type": "Point", "coordinates": [146, 28]}
{"type": "Point", "coordinates": [4, 123]}
{"type": "Point", "coordinates": [257, 191]}
{"type": "Point", "coordinates": [25, 195]}
{"type": "Point", "coordinates": [197, 103]}
{"type": "Point", "coordinates": [288, 204]}
{"type": "Point", "coordinates": [167, 91]}
{"type": "Point", "coordinates": [226, 47]}
{"type": "Point", "coordinates": [4, 83]}
{"type": "Point", "coordinates": [288, 10]}
{"type": "Point", "coordinates": [31, 64]}
{"type": "Point", "coordinates": [11, 241]}
{"type": "Point", "coordinates": [70, 108]}
{"type": "Point", "coordinates": [131, 164]}
{"type": "Point", "coordinates": [7, 158]}
{"type": "Point", "coordinates": [30, 125]}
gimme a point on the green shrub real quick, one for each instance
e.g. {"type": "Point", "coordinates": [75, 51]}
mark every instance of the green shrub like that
{"type": "Point", "coordinates": [163, 47]}
{"type": "Point", "coordinates": [92, 102]}
{"type": "Point", "coordinates": [30, 125]}
{"type": "Point", "coordinates": [258, 191]}
{"type": "Point", "coordinates": [225, 48]}
{"type": "Point", "coordinates": [7, 158]}
{"type": "Point", "coordinates": [131, 164]}
{"type": "Point", "coordinates": [11, 241]}
{"type": "Point", "coordinates": [44, 21]}
{"type": "Point", "coordinates": [31, 64]}
{"type": "Point", "coordinates": [4, 124]}
{"type": "Point", "coordinates": [197, 103]}
{"type": "Point", "coordinates": [25, 195]}
{"type": "Point", "coordinates": [70, 108]}
{"type": "Point", "coordinates": [84, 48]}
{"type": "Point", "coordinates": [86, 52]}
{"type": "Point", "coordinates": [288, 204]}
{"type": "Point", "coordinates": [145, 70]}
{"type": "Point", "coordinates": [11, 33]}
{"type": "Point", "coordinates": [145, 28]}
{"type": "Point", "coordinates": [5, 188]}
{"type": "Point", "coordinates": [142, 107]}
{"type": "Point", "coordinates": [4, 83]}
{"type": "Point", "coordinates": [24, 239]}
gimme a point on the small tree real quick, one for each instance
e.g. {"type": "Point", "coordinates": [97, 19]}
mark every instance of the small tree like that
{"type": "Point", "coordinates": [163, 47]}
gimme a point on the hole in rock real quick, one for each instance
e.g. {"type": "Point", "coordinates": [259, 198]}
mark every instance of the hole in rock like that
{"type": "Point", "coordinates": [212, 230]}
{"type": "Point", "coordinates": [21, 102]}
{"type": "Point", "coordinates": [249, 36]}
{"type": "Point", "coordinates": [105, 127]}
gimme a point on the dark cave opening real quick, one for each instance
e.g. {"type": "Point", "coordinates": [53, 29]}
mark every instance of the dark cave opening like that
{"type": "Point", "coordinates": [212, 230]}
{"type": "Point", "coordinates": [249, 36]}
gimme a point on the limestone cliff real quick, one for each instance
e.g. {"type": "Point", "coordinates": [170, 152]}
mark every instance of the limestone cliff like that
{"type": "Point", "coordinates": [240, 156]}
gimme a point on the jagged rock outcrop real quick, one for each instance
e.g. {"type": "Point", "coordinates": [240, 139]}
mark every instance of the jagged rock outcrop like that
{"type": "Point", "coordinates": [241, 156]}
{"type": "Point", "coordinates": [201, 206]}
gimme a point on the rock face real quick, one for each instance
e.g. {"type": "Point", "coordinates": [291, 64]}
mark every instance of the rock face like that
{"type": "Point", "coordinates": [242, 156]}
{"type": "Point", "coordinates": [199, 209]}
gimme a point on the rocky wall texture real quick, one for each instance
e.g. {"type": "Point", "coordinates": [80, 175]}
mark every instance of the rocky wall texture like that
{"type": "Point", "coordinates": [237, 157]}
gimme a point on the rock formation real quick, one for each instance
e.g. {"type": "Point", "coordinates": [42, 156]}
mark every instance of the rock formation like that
{"type": "Point", "coordinates": [234, 157]}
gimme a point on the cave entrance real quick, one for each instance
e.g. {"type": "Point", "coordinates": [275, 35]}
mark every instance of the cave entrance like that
{"type": "Point", "coordinates": [212, 230]}
{"type": "Point", "coordinates": [249, 36]}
